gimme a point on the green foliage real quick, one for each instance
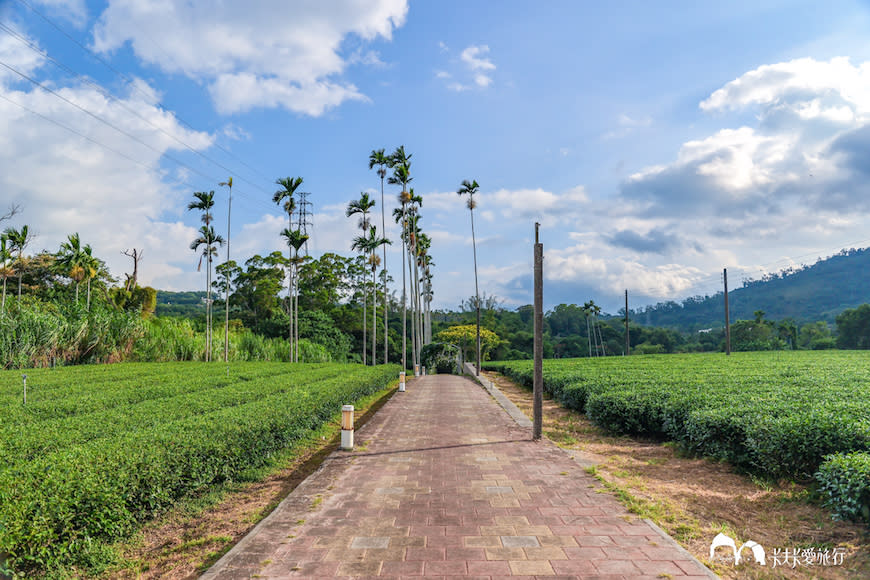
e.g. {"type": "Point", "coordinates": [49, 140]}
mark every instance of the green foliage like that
{"type": "Point", "coordinates": [99, 449]}
{"type": "Point", "coordinates": [36, 333]}
{"type": "Point", "coordinates": [853, 328]}
{"type": "Point", "coordinates": [465, 337]}
{"type": "Point", "coordinates": [777, 415]}
{"type": "Point", "coordinates": [141, 300]}
{"type": "Point", "coordinates": [844, 480]}
{"type": "Point", "coordinates": [175, 339]}
{"type": "Point", "coordinates": [440, 358]}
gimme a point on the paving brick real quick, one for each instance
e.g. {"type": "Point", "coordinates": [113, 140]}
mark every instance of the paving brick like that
{"type": "Point", "coordinates": [449, 486]}
{"type": "Point", "coordinates": [531, 567]}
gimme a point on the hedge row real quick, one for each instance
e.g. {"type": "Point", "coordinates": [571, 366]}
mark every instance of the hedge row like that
{"type": "Point", "coordinates": [60, 507]}
{"type": "Point", "coordinates": [776, 414]}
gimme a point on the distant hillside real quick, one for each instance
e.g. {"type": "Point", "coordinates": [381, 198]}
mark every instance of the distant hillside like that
{"type": "Point", "coordinates": [185, 304]}
{"type": "Point", "coordinates": [816, 292]}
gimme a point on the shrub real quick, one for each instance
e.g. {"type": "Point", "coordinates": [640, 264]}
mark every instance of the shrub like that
{"type": "Point", "coordinates": [844, 478]}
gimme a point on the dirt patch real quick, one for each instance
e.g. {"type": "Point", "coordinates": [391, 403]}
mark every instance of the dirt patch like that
{"type": "Point", "coordinates": [695, 499]}
{"type": "Point", "coordinates": [183, 543]}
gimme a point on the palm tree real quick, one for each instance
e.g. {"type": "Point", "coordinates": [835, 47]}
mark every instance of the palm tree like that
{"type": "Point", "coordinates": [208, 239]}
{"type": "Point", "coordinates": [204, 202]}
{"type": "Point", "coordinates": [91, 266]}
{"type": "Point", "coordinates": [71, 260]}
{"type": "Point", "coordinates": [289, 185]}
{"type": "Point", "coordinates": [378, 158]}
{"type": "Point", "coordinates": [416, 203]}
{"type": "Point", "coordinates": [5, 269]}
{"type": "Point", "coordinates": [374, 260]}
{"type": "Point", "coordinates": [362, 206]}
{"type": "Point", "coordinates": [369, 245]}
{"type": "Point", "coordinates": [18, 240]}
{"type": "Point", "coordinates": [295, 239]}
{"type": "Point", "coordinates": [401, 164]}
{"type": "Point", "coordinates": [470, 188]}
{"type": "Point", "coordinates": [227, 183]}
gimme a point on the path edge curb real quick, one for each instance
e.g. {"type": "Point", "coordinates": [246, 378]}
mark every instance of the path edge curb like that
{"type": "Point", "coordinates": [505, 403]}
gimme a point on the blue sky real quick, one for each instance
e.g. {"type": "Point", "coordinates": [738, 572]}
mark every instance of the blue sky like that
{"type": "Point", "coordinates": [657, 143]}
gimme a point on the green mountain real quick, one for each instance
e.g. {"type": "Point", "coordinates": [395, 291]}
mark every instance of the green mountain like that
{"type": "Point", "coordinates": [185, 304]}
{"type": "Point", "coordinates": [806, 294]}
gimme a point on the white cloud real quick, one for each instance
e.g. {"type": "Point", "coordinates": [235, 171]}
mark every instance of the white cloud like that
{"type": "Point", "coordinates": [17, 55]}
{"type": "Point", "coordinates": [795, 84]}
{"type": "Point", "coordinates": [477, 67]}
{"type": "Point", "coordinates": [473, 56]}
{"type": "Point", "coordinates": [269, 54]}
{"type": "Point", "coordinates": [97, 191]}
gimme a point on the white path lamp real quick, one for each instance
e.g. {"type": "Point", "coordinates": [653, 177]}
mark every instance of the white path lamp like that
{"type": "Point", "coordinates": [402, 382]}
{"type": "Point", "coordinates": [347, 427]}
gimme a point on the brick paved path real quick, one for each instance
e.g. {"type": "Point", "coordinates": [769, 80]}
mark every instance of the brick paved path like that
{"type": "Point", "coordinates": [443, 483]}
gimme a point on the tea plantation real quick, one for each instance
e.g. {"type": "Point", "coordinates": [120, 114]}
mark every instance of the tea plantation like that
{"type": "Point", "coordinates": [99, 449]}
{"type": "Point", "coordinates": [796, 415]}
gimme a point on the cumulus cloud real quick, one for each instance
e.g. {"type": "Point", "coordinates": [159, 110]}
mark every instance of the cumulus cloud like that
{"type": "Point", "coordinates": [66, 183]}
{"type": "Point", "coordinates": [476, 69]}
{"type": "Point", "coordinates": [267, 54]}
{"type": "Point", "coordinates": [806, 150]}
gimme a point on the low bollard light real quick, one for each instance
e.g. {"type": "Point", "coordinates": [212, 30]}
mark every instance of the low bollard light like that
{"type": "Point", "coordinates": [347, 427]}
{"type": "Point", "coordinates": [416, 370]}
{"type": "Point", "coordinates": [402, 382]}
{"type": "Point", "coordinates": [424, 371]}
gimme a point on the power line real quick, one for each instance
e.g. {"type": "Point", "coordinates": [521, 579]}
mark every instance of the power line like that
{"type": "Point", "coordinates": [111, 97]}
{"type": "Point", "coordinates": [135, 87]}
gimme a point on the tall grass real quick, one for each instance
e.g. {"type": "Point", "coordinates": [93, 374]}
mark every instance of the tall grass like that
{"type": "Point", "coordinates": [175, 339]}
{"type": "Point", "coordinates": [37, 333]}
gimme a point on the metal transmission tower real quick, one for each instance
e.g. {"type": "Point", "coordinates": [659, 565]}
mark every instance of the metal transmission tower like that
{"type": "Point", "coordinates": [305, 216]}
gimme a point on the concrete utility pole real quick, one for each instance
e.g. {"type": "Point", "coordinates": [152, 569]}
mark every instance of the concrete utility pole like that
{"type": "Point", "coordinates": [539, 338]}
{"type": "Point", "coordinates": [727, 316]}
{"type": "Point", "coordinates": [627, 345]}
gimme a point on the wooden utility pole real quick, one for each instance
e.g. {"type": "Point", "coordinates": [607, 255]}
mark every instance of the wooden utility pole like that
{"type": "Point", "coordinates": [627, 342]}
{"type": "Point", "coordinates": [727, 316]}
{"type": "Point", "coordinates": [539, 338]}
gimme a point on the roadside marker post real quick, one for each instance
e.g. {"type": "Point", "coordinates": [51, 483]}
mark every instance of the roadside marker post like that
{"type": "Point", "coordinates": [347, 427]}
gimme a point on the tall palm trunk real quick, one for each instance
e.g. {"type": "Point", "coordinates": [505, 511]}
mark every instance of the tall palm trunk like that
{"type": "Point", "coordinates": [374, 309]}
{"type": "Point", "coordinates": [476, 290]}
{"type": "Point", "coordinates": [417, 316]}
{"type": "Point", "coordinates": [3, 303]}
{"type": "Point", "coordinates": [404, 292]}
{"type": "Point", "coordinates": [296, 307]}
{"type": "Point", "coordinates": [365, 344]}
{"type": "Point", "coordinates": [89, 295]}
{"type": "Point", "coordinates": [208, 305]}
{"type": "Point", "coordinates": [411, 297]}
{"type": "Point", "coordinates": [384, 233]}
{"type": "Point", "coordinates": [20, 272]}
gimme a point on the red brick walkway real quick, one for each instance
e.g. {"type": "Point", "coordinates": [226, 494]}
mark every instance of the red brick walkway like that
{"type": "Point", "coordinates": [443, 483]}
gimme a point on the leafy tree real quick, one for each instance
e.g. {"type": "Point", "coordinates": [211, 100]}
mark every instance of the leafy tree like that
{"type": "Point", "coordinates": [470, 188]}
{"type": "Point", "coordinates": [853, 328]}
{"type": "Point", "coordinates": [466, 337]}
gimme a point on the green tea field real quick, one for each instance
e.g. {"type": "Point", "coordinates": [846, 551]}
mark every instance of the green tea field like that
{"type": "Point", "coordinates": [97, 450]}
{"type": "Point", "coordinates": [793, 415]}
